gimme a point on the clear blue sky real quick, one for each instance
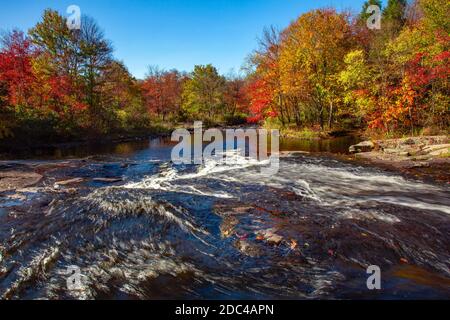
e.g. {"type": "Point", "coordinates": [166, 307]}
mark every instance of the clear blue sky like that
{"type": "Point", "coordinates": [176, 33]}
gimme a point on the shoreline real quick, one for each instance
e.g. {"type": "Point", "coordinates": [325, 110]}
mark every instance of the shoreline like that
{"type": "Point", "coordinates": [426, 157]}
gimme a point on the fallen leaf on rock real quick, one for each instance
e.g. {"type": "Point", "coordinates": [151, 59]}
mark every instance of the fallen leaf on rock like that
{"type": "Point", "coordinates": [294, 244]}
{"type": "Point", "coordinates": [260, 237]}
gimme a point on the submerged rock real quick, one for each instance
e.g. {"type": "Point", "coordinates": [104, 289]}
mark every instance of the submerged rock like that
{"type": "Point", "coordinates": [12, 180]}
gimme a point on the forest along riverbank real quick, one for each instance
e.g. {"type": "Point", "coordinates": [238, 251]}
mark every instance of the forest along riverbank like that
{"type": "Point", "coordinates": [140, 227]}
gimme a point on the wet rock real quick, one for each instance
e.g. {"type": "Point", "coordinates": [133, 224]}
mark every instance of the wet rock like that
{"type": "Point", "coordinates": [242, 209]}
{"type": "Point", "coordinates": [275, 239]}
{"type": "Point", "coordinates": [228, 225]}
{"type": "Point", "coordinates": [293, 153]}
{"type": "Point", "coordinates": [403, 154]}
{"type": "Point", "coordinates": [414, 164]}
{"type": "Point", "coordinates": [364, 146]}
{"type": "Point", "coordinates": [67, 182]}
{"type": "Point", "coordinates": [248, 248]}
{"type": "Point", "coordinates": [399, 152]}
{"type": "Point", "coordinates": [108, 180]}
{"type": "Point", "coordinates": [12, 180]}
{"type": "Point", "coordinates": [17, 196]}
{"type": "Point", "coordinates": [29, 190]}
{"type": "Point", "coordinates": [271, 237]}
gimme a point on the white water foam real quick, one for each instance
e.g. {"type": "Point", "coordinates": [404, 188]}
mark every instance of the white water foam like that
{"type": "Point", "coordinates": [212, 168]}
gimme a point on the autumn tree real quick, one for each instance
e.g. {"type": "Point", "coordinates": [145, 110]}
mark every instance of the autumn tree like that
{"type": "Point", "coordinates": [264, 86]}
{"type": "Point", "coordinates": [16, 77]}
{"type": "Point", "coordinates": [58, 87]}
{"type": "Point", "coordinates": [405, 88]}
{"type": "Point", "coordinates": [312, 55]}
{"type": "Point", "coordinates": [236, 100]}
{"type": "Point", "coordinates": [75, 58]}
{"type": "Point", "coordinates": [162, 92]}
{"type": "Point", "coordinates": [16, 74]}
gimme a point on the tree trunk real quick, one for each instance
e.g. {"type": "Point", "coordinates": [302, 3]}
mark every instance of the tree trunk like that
{"type": "Point", "coordinates": [330, 120]}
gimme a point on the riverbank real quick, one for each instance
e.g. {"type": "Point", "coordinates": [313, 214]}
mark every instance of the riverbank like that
{"type": "Point", "coordinates": [313, 133]}
{"type": "Point", "coordinates": [426, 157]}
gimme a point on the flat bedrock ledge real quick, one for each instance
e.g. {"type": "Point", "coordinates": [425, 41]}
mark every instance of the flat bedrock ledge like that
{"type": "Point", "coordinates": [409, 152]}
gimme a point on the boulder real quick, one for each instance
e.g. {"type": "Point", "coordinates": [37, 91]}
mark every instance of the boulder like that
{"type": "Point", "coordinates": [365, 146]}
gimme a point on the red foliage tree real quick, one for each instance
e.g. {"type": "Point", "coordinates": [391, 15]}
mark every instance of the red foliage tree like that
{"type": "Point", "coordinates": [260, 97]}
{"type": "Point", "coordinates": [162, 92]}
{"type": "Point", "coordinates": [16, 67]}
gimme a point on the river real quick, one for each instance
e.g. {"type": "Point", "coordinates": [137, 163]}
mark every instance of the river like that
{"type": "Point", "coordinates": [148, 229]}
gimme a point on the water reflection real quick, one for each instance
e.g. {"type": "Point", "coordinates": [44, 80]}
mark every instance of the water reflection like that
{"type": "Point", "coordinates": [334, 145]}
{"type": "Point", "coordinates": [155, 148]}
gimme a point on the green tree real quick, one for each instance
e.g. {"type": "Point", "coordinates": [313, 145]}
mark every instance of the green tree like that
{"type": "Point", "coordinates": [394, 16]}
{"type": "Point", "coordinates": [203, 92]}
{"type": "Point", "coordinates": [95, 52]}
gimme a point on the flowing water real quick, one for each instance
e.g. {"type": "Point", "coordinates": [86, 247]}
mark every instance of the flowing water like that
{"type": "Point", "coordinates": [221, 232]}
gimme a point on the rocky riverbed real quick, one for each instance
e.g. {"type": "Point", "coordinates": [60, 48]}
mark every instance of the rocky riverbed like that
{"type": "Point", "coordinates": [139, 227]}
